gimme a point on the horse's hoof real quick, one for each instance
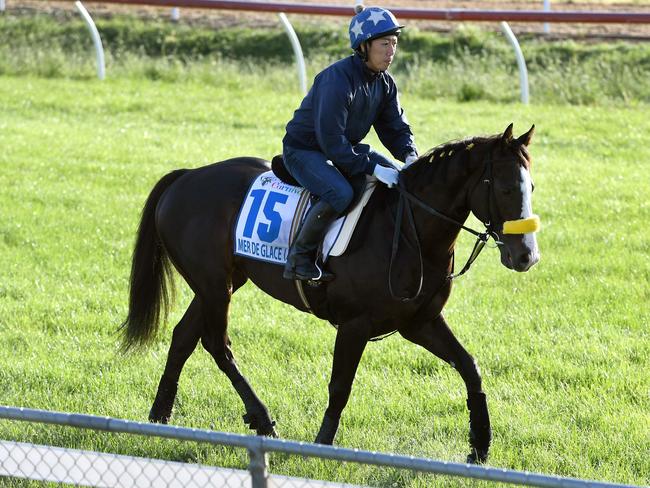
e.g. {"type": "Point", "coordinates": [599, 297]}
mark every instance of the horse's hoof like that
{"type": "Point", "coordinates": [477, 456]}
{"type": "Point", "coordinates": [159, 415]}
{"type": "Point", "coordinates": [327, 431]}
{"type": "Point", "coordinates": [322, 440]}
{"type": "Point", "coordinates": [159, 419]}
{"type": "Point", "coordinates": [163, 404]}
{"type": "Point", "coordinates": [265, 428]}
{"type": "Point", "coordinates": [250, 420]}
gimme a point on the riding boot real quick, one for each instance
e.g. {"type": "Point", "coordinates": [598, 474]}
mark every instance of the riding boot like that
{"type": "Point", "coordinates": [301, 261]}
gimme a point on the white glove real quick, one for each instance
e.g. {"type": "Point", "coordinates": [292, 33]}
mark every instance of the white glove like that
{"type": "Point", "coordinates": [389, 176]}
{"type": "Point", "coordinates": [410, 159]}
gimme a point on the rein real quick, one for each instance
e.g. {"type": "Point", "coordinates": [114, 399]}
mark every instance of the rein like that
{"type": "Point", "coordinates": [406, 198]}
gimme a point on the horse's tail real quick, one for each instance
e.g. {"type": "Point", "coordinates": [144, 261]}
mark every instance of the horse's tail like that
{"type": "Point", "coordinates": [151, 274]}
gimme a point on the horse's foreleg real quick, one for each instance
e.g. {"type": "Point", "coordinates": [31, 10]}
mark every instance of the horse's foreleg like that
{"type": "Point", "coordinates": [184, 340]}
{"type": "Point", "coordinates": [216, 342]}
{"type": "Point", "coordinates": [436, 337]}
{"type": "Point", "coordinates": [351, 340]}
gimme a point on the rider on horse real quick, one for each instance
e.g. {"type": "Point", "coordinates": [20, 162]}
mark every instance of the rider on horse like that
{"type": "Point", "coordinates": [322, 147]}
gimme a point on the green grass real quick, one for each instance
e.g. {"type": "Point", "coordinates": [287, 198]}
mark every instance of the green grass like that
{"type": "Point", "coordinates": [564, 349]}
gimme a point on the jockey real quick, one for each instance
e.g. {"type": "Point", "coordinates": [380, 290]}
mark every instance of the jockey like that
{"type": "Point", "coordinates": [322, 147]}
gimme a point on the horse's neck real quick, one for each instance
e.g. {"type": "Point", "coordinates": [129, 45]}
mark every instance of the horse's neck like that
{"type": "Point", "coordinates": [443, 186]}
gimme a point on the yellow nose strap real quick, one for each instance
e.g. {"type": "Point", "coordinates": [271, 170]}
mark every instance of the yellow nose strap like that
{"type": "Point", "coordinates": [522, 226]}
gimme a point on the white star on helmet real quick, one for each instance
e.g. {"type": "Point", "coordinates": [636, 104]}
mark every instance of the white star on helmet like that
{"type": "Point", "coordinates": [357, 29]}
{"type": "Point", "coordinates": [376, 16]}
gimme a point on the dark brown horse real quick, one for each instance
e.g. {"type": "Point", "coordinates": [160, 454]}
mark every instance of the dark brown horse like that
{"type": "Point", "coordinates": [189, 217]}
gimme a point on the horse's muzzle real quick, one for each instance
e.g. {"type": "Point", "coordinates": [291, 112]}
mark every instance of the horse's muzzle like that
{"type": "Point", "coordinates": [525, 261]}
{"type": "Point", "coordinates": [519, 254]}
{"type": "Point", "coordinates": [519, 250]}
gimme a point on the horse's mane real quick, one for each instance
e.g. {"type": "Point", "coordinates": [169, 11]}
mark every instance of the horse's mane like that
{"type": "Point", "coordinates": [448, 149]}
{"type": "Point", "coordinates": [444, 153]}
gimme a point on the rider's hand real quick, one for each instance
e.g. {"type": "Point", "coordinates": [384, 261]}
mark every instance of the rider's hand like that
{"type": "Point", "coordinates": [388, 176]}
{"type": "Point", "coordinates": [410, 159]}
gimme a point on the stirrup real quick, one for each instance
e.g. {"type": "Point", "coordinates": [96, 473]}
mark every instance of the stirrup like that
{"type": "Point", "coordinates": [323, 276]}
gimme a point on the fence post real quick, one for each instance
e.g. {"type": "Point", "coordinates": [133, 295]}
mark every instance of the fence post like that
{"type": "Point", "coordinates": [257, 466]}
{"type": "Point", "coordinates": [297, 51]}
{"type": "Point", "coordinates": [547, 8]}
{"type": "Point", "coordinates": [97, 40]}
{"type": "Point", "coordinates": [521, 62]}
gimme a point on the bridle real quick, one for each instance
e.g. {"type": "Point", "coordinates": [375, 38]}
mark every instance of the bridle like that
{"type": "Point", "coordinates": [492, 229]}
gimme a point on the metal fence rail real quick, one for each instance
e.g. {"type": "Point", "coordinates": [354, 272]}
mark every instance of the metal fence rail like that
{"type": "Point", "coordinates": [258, 447]}
{"type": "Point", "coordinates": [453, 14]}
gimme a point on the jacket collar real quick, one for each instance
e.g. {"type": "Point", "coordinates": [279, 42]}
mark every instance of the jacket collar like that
{"type": "Point", "coordinates": [368, 74]}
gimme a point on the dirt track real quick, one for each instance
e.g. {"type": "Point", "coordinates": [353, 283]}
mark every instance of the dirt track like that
{"type": "Point", "coordinates": [221, 18]}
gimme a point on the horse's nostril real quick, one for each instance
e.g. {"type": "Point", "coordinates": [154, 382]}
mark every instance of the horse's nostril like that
{"type": "Point", "coordinates": [524, 261]}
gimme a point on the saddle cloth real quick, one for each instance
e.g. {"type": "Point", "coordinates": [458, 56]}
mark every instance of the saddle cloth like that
{"type": "Point", "coordinates": [271, 214]}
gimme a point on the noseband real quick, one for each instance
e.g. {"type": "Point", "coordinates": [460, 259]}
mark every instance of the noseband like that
{"type": "Point", "coordinates": [519, 226]}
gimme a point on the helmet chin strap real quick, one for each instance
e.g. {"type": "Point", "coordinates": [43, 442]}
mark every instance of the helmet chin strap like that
{"type": "Point", "coordinates": [363, 51]}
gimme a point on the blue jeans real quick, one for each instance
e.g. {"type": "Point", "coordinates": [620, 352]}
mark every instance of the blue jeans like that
{"type": "Point", "coordinates": [317, 174]}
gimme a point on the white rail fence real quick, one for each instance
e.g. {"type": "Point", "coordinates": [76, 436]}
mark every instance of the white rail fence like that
{"type": "Point", "coordinates": [459, 15]}
{"type": "Point", "coordinates": [88, 468]}
{"type": "Point", "coordinates": [451, 14]}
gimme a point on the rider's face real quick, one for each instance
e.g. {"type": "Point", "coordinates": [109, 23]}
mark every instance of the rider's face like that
{"type": "Point", "coordinates": [381, 53]}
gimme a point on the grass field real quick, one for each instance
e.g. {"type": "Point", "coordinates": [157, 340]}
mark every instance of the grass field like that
{"type": "Point", "coordinates": [564, 349]}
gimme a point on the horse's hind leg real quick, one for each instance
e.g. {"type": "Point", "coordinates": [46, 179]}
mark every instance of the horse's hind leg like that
{"type": "Point", "coordinates": [216, 342]}
{"type": "Point", "coordinates": [436, 337]}
{"type": "Point", "coordinates": [184, 340]}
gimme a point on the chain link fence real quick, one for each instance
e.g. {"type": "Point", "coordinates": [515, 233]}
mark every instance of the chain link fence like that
{"type": "Point", "coordinates": [87, 468]}
{"type": "Point", "coordinates": [45, 463]}
{"type": "Point", "coordinates": [106, 470]}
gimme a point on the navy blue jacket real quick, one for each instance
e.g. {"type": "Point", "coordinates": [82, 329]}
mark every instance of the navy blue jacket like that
{"type": "Point", "coordinates": [345, 101]}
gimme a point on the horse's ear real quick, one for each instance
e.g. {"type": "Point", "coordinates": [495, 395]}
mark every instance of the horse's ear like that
{"type": "Point", "coordinates": [525, 138]}
{"type": "Point", "coordinates": [507, 135]}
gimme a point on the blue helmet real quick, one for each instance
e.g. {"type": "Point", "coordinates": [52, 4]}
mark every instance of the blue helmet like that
{"type": "Point", "coordinates": [371, 23]}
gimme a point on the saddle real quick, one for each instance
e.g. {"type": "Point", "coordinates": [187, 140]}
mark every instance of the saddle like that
{"type": "Point", "coordinates": [338, 237]}
{"type": "Point", "coordinates": [280, 170]}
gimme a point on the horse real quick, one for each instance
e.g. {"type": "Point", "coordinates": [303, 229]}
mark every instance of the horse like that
{"type": "Point", "coordinates": [187, 223]}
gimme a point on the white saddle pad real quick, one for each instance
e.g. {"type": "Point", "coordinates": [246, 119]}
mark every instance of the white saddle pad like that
{"type": "Point", "coordinates": [265, 221]}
